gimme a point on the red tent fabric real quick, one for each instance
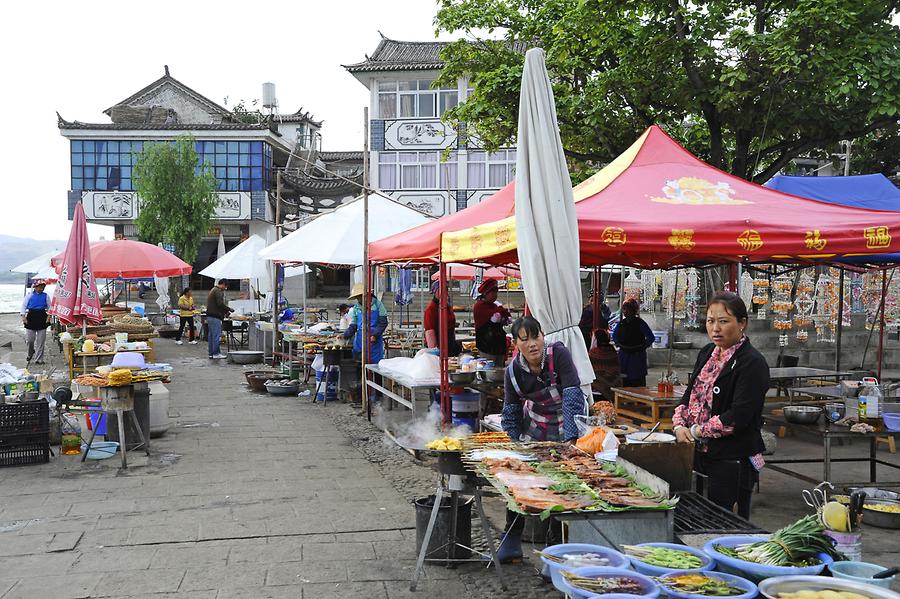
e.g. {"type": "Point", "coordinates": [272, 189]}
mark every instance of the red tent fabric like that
{"type": "Point", "coordinates": [465, 272]}
{"type": "Point", "coordinates": [126, 259]}
{"type": "Point", "coordinates": [659, 206]}
{"type": "Point", "coordinates": [423, 243]}
{"type": "Point", "coordinates": [75, 300]}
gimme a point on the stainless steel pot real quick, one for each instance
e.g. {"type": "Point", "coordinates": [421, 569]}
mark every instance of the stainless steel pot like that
{"type": "Point", "coordinates": [462, 378]}
{"type": "Point", "coordinates": [771, 588]}
{"type": "Point", "coordinates": [245, 357]}
{"type": "Point", "coordinates": [802, 414]}
{"type": "Point", "coordinates": [491, 375]}
{"type": "Point", "coordinates": [881, 519]}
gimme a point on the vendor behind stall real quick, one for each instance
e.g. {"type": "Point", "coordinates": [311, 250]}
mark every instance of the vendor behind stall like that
{"type": "Point", "coordinates": [490, 317]}
{"type": "Point", "coordinates": [432, 323]}
{"type": "Point", "coordinates": [633, 336]}
{"type": "Point", "coordinates": [605, 362]}
{"type": "Point", "coordinates": [721, 410]}
{"type": "Point", "coordinates": [542, 396]}
{"type": "Point", "coordinates": [34, 317]}
{"type": "Point", "coordinates": [377, 324]}
{"type": "Point", "coordinates": [345, 317]}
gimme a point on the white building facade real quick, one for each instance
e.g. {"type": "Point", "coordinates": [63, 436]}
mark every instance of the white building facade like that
{"type": "Point", "coordinates": [415, 158]}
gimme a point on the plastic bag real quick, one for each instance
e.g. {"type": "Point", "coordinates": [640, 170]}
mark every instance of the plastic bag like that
{"type": "Point", "coordinates": [585, 424]}
{"type": "Point", "coordinates": [318, 362]}
{"type": "Point", "coordinates": [593, 441]}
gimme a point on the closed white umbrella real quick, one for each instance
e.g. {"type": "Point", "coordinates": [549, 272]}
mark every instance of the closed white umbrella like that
{"type": "Point", "coordinates": [546, 226]}
{"type": "Point", "coordinates": [220, 250]}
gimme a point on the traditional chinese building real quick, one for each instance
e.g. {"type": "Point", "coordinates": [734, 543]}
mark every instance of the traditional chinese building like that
{"type": "Point", "coordinates": [408, 139]}
{"type": "Point", "coordinates": [244, 157]}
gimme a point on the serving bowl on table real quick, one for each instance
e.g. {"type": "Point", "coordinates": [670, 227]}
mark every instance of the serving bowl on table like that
{"type": "Point", "coordinates": [491, 375]}
{"type": "Point", "coordinates": [462, 378]}
{"type": "Point", "coordinates": [616, 559]}
{"type": "Point", "coordinates": [772, 587]}
{"type": "Point", "coordinates": [651, 570]}
{"type": "Point", "coordinates": [756, 572]}
{"type": "Point", "coordinates": [879, 518]}
{"type": "Point", "coordinates": [834, 411]}
{"type": "Point", "coordinates": [649, 589]}
{"type": "Point", "coordinates": [245, 357]}
{"type": "Point", "coordinates": [745, 585]}
{"type": "Point", "coordinates": [802, 414]}
{"type": "Point", "coordinates": [639, 437]}
{"type": "Point", "coordinates": [860, 572]}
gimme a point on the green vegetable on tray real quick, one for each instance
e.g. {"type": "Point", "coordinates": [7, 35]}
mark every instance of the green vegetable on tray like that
{"type": "Point", "coordinates": [700, 584]}
{"type": "Point", "coordinates": [794, 545]}
{"type": "Point", "coordinates": [664, 557]}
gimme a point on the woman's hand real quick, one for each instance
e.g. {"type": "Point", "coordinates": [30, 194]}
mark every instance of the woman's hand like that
{"type": "Point", "coordinates": [683, 435]}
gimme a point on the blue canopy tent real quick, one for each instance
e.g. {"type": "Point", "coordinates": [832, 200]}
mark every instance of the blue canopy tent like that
{"type": "Point", "coordinates": [875, 192]}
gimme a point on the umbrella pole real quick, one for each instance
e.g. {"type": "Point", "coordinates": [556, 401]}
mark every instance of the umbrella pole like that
{"type": "Point", "coordinates": [881, 323]}
{"type": "Point", "coordinates": [840, 320]}
{"type": "Point", "coordinates": [442, 341]}
{"type": "Point", "coordinates": [595, 303]}
{"type": "Point", "coordinates": [303, 275]}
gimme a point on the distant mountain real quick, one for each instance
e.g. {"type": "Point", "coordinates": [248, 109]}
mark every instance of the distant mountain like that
{"type": "Point", "coordinates": [16, 250]}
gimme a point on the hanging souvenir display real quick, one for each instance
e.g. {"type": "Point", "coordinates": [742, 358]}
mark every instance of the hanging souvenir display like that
{"type": "Point", "coordinates": [870, 298]}
{"type": "Point", "coordinates": [746, 288]}
{"type": "Point", "coordinates": [692, 297]}
{"type": "Point", "coordinates": [761, 294]}
{"type": "Point", "coordinates": [649, 289]}
{"type": "Point", "coordinates": [803, 306]}
{"type": "Point", "coordinates": [632, 287]}
{"type": "Point", "coordinates": [674, 289]}
{"type": "Point", "coordinates": [825, 317]}
{"type": "Point", "coordinates": [781, 303]}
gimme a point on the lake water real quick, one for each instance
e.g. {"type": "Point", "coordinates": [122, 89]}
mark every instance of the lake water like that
{"type": "Point", "coordinates": [11, 296]}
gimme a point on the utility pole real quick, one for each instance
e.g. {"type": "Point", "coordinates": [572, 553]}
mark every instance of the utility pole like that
{"type": "Point", "coordinates": [367, 302]}
{"type": "Point", "coordinates": [275, 266]}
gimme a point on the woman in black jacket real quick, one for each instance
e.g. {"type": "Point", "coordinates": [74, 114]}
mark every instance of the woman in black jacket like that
{"type": "Point", "coordinates": [721, 410]}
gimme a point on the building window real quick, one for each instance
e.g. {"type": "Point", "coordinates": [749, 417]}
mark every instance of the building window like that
{"type": "Point", "coordinates": [414, 99]}
{"type": "Point", "coordinates": [416, 170]}
{"type": "Point", "coordinates": [486, 171]}
{"type": "Point", "coordinates": [107, 165]}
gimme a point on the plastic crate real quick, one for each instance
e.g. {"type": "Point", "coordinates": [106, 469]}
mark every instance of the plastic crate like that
{"type": "Point", "coordinates": [23, 418]}
{"type": "Point", "coordinates": [22, 450]}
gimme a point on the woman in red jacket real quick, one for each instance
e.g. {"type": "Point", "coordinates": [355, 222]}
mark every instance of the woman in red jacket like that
{"type": "Point", "coordinates": [490, 317]}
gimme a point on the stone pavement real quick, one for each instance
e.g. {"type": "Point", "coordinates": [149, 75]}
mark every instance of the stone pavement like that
{"type": "Point", "coordinates": [246, 496]}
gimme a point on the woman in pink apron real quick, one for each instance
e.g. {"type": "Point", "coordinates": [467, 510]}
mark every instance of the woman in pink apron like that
{"type": "Point", "coordinates": [542, 397]}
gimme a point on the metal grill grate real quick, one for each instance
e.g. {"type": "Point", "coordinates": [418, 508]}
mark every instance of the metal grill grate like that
{"type": "Point", "coordinates": [695, 514]}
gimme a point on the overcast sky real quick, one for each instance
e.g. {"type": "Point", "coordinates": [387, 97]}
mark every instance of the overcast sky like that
{"type": "Point", "coordinates": [79, 58]}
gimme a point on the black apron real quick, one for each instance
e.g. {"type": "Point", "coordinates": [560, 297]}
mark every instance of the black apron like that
{"type": "Point", "coordinates": [36, 319]}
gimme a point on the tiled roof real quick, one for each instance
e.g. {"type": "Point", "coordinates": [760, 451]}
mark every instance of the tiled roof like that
{"type": "Point", "coordinates": [166, 78]}
{"type": "Point", "coordinates": [64, 124]}
{"type": "Point", "coordinates": [391, 55]}
{"type": "Point", "coordinates": [299, 117]}
{"type": "Point", "coordinates": [315, 186]}
{"type": "Point", "coordinates": [337, 156]}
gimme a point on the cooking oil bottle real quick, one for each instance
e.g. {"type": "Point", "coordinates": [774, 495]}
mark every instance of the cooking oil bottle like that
{"type": "Point", "coordinates": [70, 435]}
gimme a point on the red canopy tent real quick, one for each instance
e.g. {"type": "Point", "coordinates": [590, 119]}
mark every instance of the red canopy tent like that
{"type": "Point", "coordinates": [466, 272]}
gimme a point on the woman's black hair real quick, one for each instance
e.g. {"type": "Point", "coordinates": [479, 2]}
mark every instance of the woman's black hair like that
{"type": "Point", "coordinates": [185, 290]}
{"type": "Point", "coordinates": [529, 324]}
{"type": "Point", "coordinates": [732, 302]}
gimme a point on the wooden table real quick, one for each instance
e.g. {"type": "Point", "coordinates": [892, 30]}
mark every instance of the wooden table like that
{"type": "Point", "coordinates": [645, 405]}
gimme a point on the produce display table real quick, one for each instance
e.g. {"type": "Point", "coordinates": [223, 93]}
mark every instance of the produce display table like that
{"type": "Point", "coordinates": [73, 358]}
{"type": "Point", "coordinates": [645, 405]}
{"type": "Point", "coordinates": [828, 432]}
{"type": "Point", "coordinates": [403, 389]}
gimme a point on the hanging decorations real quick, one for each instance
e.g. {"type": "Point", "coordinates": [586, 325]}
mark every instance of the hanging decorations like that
{"type": "Point", "coordinates": [870, 297]}
{"type": "Point", "coordinates": [649, 289]}
{"type": "Point", "coordinates": [803, 306]}
{"type": "Point", "coordinates": [746, 288]}
{"type": "Point", "coordinates": [825, 317]}
{"type": "Point", "coordinates": [692, 297]}
{"type": "Point", "coordinates": [673, 297]}
{"type": "Point", "coordinates": [781, 302]}
{"type": "Point", "coordinates": [632, 287]}
{"type": "Point", "coordinates": [891, 303]}
{"type": "Point", "coordinates": [761, 294]}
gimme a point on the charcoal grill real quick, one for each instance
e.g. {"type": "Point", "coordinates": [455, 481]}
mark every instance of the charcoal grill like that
{"type": "Point", "coordinates": [697, 515]}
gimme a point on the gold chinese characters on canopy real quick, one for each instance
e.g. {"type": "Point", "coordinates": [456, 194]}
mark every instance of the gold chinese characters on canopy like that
{"type": "Point", "coordinates": [877, 237]}
{"type": "Point", "coordinates": [682, 239]}
{"type": "Point", "coordinates": [750, 240]}
{"type": "Point", "coordinates": [613, 236]}
{"type": "Point", "coordinates": [815, 241]}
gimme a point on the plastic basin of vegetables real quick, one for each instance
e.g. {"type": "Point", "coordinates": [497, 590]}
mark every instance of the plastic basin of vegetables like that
{"type": "Point", "coordinates": [747, 588]}
{"type": "Point", "coordinates": [751, 570]}
{"type": "Point", "coordinates": [706, 562]}
{"type": "Point", "coordinates": [648, 588]}
{"type": "Point", "coordinates": [860, 572]}
{"type": "Point", "coordinates": [616, 559]}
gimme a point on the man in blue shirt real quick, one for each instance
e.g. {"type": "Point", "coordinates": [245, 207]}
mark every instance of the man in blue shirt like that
{"type": "Point", "coordinates": [34, 317]}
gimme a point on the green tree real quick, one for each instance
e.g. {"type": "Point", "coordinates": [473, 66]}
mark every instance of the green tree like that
{"type": "Point", "coordinates": [747, 85]}
{"type": "Point", "coordinates": [178, 196]}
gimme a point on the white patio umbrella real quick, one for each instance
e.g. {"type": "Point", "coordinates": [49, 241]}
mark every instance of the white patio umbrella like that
{"type": "Point", "coordinates": [40, 266]}
{"type": "Point", "coordinates": [546, 226]}
{"type": "Point", "coordinates": [243, 262]}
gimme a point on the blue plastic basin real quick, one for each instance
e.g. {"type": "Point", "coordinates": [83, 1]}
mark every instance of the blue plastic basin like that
{"type": "Point", "coordinates": [100, 450]}
{"type": "Point", "coordinates": [860, 572]}
{"type": "Point", "coordinates": [748, 587]}
{"type": "Point", "coordinates": [650, 590]}
{"type": "Point", "coordinates": [757, 572]}
{"type": "Point", "coordinates": [616, 559]}
{"type": "Point", "coordinates": [651, 570]}
{"type": "Point", "coordinates": [891, 421]}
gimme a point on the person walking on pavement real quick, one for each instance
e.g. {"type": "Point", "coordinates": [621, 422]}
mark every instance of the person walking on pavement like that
{"type": "Point", "coordinates": [216, 311]}
{"type": "Point", "coordinates": [34, 317]}
{"type": "Point", "coordinates": [186, 316]}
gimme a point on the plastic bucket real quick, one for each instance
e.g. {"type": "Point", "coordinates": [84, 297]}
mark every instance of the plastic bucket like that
{"type": "Point", "coordinates": [438, 545]}
{"type": "Point", "coordinates": [848, 543]}
{"type": "Point", "coordinates": [98, 422]}
{"type": "Point", "coordinates": [465, 403]}
{"type": "Point", "coordinates": [329, 391]}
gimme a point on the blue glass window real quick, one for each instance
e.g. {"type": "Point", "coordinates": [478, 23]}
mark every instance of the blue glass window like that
{"type": "Point", "coordinates": [126, 172]}
{"type": "Point", "coordinates": [232, 159]}
{"type": "Point", "coordinates": [125, 147]}
{"type": "Point", "coordinates": [78, 158]}
{"type": "Point", "coordinates": [232, 147]}
{"type": "Point", "coordinates": [244, 160]}
{"type": "Point", "coordinates": [88, 146]}
{"type": "Point", "coordinates": [76, 146]}
{"type": "Point", "coordinates": [77, 185]}
{"type": "Point", "coordinates": [244, 147]}
{"type": "Point", "coordinates": [256, 159]}
{"type": "Point", "coordinates": [77, 171]}
{"type": "Point", "coordinates": [256, 146]}
{"type": "Point", "coordinates": [232, 172]}
{"type": "Point", "coordinates": [232, 185]}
